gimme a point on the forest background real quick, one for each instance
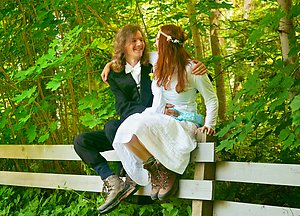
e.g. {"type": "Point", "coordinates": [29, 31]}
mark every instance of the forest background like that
{"type": "Point", "coordinates": [53, 51]}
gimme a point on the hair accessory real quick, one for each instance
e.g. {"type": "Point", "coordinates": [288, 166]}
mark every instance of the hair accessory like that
{"type": "Point", "coordinates": [169, 38]}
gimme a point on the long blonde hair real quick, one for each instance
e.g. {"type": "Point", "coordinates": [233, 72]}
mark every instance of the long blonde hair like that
{"type": "Point", "coordinates": [119, 60]}
{"type": "Point", "coordinates": [172, 57]}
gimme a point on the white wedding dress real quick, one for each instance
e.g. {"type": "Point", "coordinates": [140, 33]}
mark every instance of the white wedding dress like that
{"type": "Point", "coordinates": [170, 141]}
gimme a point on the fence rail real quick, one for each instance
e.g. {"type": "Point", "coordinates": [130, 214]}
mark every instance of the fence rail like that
{"type": "Point", "coordinates": [200, 189]}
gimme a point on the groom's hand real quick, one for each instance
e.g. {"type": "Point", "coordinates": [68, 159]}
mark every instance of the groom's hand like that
{"type": "Point", "coordinates": [171, 112]}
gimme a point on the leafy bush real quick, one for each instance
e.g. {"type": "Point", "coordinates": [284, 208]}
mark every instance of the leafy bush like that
{"type": "Point", "coordinates": [34, 201]}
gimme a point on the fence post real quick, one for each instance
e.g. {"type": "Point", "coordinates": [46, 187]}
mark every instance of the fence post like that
{"type": "Point", "coordinates": [203, 171]}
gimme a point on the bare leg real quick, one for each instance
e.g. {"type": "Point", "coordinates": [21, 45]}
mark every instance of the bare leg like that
{"type": "Point", "coordinates": [137, 148]}
{"type": "Point", "coordinates": [163, 181]}
{"type": "Point", "coordinates": [149, 163]}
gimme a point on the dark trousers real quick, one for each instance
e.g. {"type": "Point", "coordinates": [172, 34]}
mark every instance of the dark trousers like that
{"type": "Point", "coordinates": [88, 145]}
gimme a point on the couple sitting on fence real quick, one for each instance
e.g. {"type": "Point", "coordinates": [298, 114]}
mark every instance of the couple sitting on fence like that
{"type": "Point", "coordinates": [156, 130]}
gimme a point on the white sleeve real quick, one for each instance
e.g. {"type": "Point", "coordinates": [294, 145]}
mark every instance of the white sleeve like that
{"type": "Point", "coordinates": [153, 57]}
{"type": "Point", "coordinates": [206, 89]}
{"type": "Point", "coordinates": [158, 104]}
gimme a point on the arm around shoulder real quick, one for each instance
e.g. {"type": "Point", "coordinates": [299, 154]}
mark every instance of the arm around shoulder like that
{"type": "Point", "coordinates": [106, 71]}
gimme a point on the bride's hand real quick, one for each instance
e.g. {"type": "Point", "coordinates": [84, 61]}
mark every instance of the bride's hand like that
{"type": "Point", "coordinates": [105, 72]}
{"type": "Point", "coordinates": [209, 131]}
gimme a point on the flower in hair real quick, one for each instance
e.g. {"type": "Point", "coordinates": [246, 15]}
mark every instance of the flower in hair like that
{"type": "Point", "coordinates": [176, 41]}
{"type": "Point", "coordinates": [169, 38]}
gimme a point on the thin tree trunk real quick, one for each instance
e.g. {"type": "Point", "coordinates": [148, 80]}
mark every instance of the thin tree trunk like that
{"type": "Point", "coordinates": [64, 117]}
{"type": "Point", "coordinates": [27, 47]}
{"type": "Point", "coordinates": [100, 19]}
{"type": "Point", "coordinates": [286, 32]}
{"type": "Point", "coordinates": [219, 76]}
{"type": "Point", "coordinates": [191, 12]}
{"type": "Point", "coordinates": [195, 31]}
{"type": "Point", "coordinates": [246, 9]}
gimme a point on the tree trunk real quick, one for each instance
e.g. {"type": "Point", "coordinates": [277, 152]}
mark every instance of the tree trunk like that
{"type": "Point", "coordinates": [195, 31]}
{"type": "Point", "coordinates": [219, 76]}
{"type": "Point", "coordinates": [246, 9]}
{"type": "Point", "coordinates": [286, 32]}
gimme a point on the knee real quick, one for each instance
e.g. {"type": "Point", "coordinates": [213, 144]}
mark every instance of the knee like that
{"type": "Point", "coordinates": [110, 129]}
{"type": "Point", "coordinates": [134, 139]}
{"type": "Point", "coordinates": [112, 125]}
{"type": "Point", "coordinates": [78, 141]}
{"type": "Point", "coordinates": [134, 142]}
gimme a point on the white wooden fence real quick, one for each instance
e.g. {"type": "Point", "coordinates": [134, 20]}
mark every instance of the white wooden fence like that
{"type": "Point", "coordinates": [200, 189]}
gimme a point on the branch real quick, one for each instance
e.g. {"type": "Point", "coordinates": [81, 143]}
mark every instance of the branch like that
{"type": "Point", "coordinates": [140, 12]}
{"type": "Point", "coordinates": [100, 19]}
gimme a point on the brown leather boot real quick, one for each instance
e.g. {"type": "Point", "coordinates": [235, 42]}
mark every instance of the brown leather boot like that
{"type": "Point", "coordinates": [169, 182]}
{"type": "Point", "coordinates": [116, 190]}
{"type": "Point", "coordinates": [151, 165]}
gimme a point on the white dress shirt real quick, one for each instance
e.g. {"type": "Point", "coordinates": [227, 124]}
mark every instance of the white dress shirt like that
{"type": "Point", "coordinates": [135, 72]}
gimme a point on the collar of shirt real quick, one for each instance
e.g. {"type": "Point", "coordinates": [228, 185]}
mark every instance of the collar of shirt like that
{"type": "Point", "coordinates": [135, 72]}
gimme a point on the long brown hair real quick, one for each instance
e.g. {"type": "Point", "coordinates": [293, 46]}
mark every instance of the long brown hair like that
{"type": "Point", "coordinates": [119, 60]}
{"type": "Point", "coordinates": [172, 57]}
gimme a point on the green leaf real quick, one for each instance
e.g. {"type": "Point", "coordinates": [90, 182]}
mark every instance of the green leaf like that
{"type": "Point", "coordinates": [225, 130]}
{"type": "Point", "coordinates": [23, 74]}
{"type": "Point", "coordinates": [225, 144]}
{"type": "Point", "coordinates": [284, 134]}
{"type": "Point", "coordinates": [3, 122]}
{"type": "Point", "coordinates": [296, 119]}
{"type": "Point", "coordinates": [25, 94]}
{"type": "Point", "coordinates": [89, 120]}
{"type": "Point", "coordinates": [295, 10]}
{"type": "Point", "coordinates": [295, 105]}
{"type": "Point", "coordinates": [25, 119]}
{"type": "Point", "coordinates": [53, 84]}
{"type": "Point", "coordinates": [31, 100]}
{"type": "Point", "coordinates": [255, 35]}
{"type": "Point", "coordinates": [90, 102]}
{"type": "Point", "coordinates": [4, 117]}
{"type": "Point", "coordinates": [167, 206]}
{"type": "Point", "coordinates": [43, 137]}
{"type": "Point", "coordinates": [53, 126]}
{"type": "Point", "coordinates": [297, 144]}
{"type": "Point", "coordinates": [253, 84]}
{"type": "Point", "coordinates": [31, 133]}
{"type": "Point", "coordinates": [289, 141]}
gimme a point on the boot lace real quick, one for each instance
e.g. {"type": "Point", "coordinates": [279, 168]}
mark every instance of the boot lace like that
{"type": "Point", "coordinates": [106, 187]}
{"type": "Point", "coordinates": [163, 176]}
{"type": "Point", "coordinates": [152, 173]}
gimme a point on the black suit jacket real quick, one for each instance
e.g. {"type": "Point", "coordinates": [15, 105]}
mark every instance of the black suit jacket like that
{"type": "Point", "coordinates": [128, 99]}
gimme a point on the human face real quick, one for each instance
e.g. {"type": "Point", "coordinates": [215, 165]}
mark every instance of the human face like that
{"type": "Point", "coordinates": [134, 47]}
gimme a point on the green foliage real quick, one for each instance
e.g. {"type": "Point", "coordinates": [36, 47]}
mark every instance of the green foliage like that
{"type": "Point", "coordinates": [18, 201]}
{"type": "Point", "coordinates": [42, 88]}
{"type": "Point", "coordinates": [295, 105]}
{"type": "Point", "coordinates": [260, 125]}
{"type": "Point", "coordinates": [25, 94]}
{"type": "Point", "coordinates": [258, 194]}
{"type": "Point", "coordinates": [102, 108]}
{"type": "Point", "coordinates": [52, 53]}
{"type": "Point", "coordinates": [262, 112]}
{"type": "Point", "coordinates": [32, 201]}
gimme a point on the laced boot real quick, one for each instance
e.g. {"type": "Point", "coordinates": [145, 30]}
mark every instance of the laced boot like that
{"type": "Point", "coordinates": [132, 183]}
{"type": "Point", "coordinates": [151, 166]}
{"type": "Point", "coordinates": [128, 180]}
{"type": "Point", "coordinates": [169, 182]}
{"type": "Point", "coordinates": [116, 191]}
